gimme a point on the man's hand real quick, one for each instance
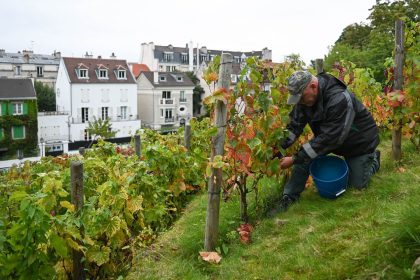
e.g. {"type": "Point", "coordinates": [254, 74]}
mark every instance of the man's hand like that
{"type": "Point", "coordinates": [286, 162]}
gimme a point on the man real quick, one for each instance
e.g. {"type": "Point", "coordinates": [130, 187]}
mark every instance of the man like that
{"type": "Point", "coordinates": [341, 125]}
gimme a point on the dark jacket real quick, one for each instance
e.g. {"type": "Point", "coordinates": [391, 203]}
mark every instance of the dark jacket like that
{"type": "Point", "coordinates": [341, 124]}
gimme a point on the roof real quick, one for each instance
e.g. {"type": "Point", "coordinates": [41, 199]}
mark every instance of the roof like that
{"type": "Point", "coordinates": [93, 64]}
{"type": "Point", "coordinates": [138, 68]}
{"type": "Point", "coordinates": [29, 58]}
{"type": "Point", "coordinates": [17, 89]}
{"type": "Point", "coordinates": [159, 52]}
{"type": "Point", "coordinates": [170, 79]}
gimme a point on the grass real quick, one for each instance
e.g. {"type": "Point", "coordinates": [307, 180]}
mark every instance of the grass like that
{"type": "Point", "coordinates": [369, 234]}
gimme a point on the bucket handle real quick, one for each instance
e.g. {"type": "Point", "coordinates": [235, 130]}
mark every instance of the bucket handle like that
{"type": "Point", "coordinates": [340, 192]}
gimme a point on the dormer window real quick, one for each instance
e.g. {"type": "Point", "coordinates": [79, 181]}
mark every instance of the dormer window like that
{"type": "Point", "coordinates": [82, 73]}
{"type": "Point", "coordinates": [179, 78]}
{"type": "Point", "coordinates": [122, 74]}
{"type": "Point", "coordinates": [103, 74]}
{"type": "Point", "coordinates": [162, 78]}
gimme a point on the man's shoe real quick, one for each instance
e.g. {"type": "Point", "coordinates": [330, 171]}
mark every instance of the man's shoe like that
{"type": "Point", "coordinates": [282, 206]}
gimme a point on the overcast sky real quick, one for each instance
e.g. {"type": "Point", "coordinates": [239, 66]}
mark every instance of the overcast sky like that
{"type": "Point", "coordinates": [305, 27]}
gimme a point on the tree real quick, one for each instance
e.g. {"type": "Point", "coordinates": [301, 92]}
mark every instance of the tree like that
{"type": "Point", "coordinates": [369, 45]}
{"type": "Point", "coordinates": [45, 97]}
{"type": "Point", "coordinates": [102, 128]}
{"type": "Point", "coordinates": [197, 92]}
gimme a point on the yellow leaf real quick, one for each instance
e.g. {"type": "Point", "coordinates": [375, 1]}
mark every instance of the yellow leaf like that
{"type": "Point", "coordinates": [67, 205]}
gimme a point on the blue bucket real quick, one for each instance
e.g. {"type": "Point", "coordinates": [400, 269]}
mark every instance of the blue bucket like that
{"type": "Point", "coordinates": [330, 175]}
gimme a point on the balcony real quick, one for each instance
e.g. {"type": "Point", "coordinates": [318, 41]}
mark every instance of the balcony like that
{"type": "Point", "coordinates": [183, 100]}
{"type": "Point", "coordinates": [169, 120]}
{"type": "Point", "coordinates": [166, 101]}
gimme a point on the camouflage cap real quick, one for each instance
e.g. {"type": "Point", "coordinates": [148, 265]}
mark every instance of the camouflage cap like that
{"type": "Point", "coordinates": [297, 82]}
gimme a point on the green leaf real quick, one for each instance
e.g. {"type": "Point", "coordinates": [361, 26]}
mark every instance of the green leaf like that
{"type": "Point", "coordinates": [59, 245]}
{"type": "Point", "coordinates": [98, 255]}
{"type": "Point", "coordinates": [18, 195]}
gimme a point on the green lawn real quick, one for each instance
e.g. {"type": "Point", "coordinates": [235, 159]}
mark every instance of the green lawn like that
{"type": "Point", "coordinates": [361, 235]}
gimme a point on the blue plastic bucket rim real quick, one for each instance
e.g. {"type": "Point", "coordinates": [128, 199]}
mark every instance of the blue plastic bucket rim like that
{"type": "Point", "coordinates": [329, 181]}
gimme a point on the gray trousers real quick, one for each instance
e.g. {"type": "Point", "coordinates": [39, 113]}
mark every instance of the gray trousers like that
{"type": "Point", "coordinates": [361, 168]}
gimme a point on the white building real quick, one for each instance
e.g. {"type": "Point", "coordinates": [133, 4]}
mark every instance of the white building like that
{"type": "Point", "coordinates": [182, 59]}
{"type": "Point", "coordinates": [165, 100]}
{"type": "Point", "coordinates": [26, 64]}
{"type": "Point", "coordinates": [96, 87]}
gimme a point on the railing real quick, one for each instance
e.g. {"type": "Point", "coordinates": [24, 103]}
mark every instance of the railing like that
{"type": "Point", "coordinates": [169, 120]}
{"type": "Point", "coordinates": [52, 138]}
{"type": "Point", "coordinates": [166, 101]}
{"type": "Point", "coordinates": [183, 100]}
{"type": "Point", "coordinates": [53, 113]}
{"type": "Point", "coordinates": [112, 119]}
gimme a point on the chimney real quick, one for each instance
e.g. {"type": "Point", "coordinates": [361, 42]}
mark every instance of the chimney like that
{"type": "Point", "coordinates": [113, 56]}
{"type": "Point", "coordinates": [87, 55]}
{"type": "Point", "coordinates": [99, 57]}
{"type": "Point", "coordinates": [191, 56]}
{"type": "Point", "coordinates": [58, 54]}
{"type": "Point", "coordinates": [155, 77]}
{"type": "Point", "coordinates": [28, 52]}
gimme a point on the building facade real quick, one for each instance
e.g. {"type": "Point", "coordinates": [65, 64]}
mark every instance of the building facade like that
{"type": "Point", "coordinates": [165, 100]}
{"type": "Point", "coordinates": [18, 119]}
{"type": "Point", "coordinates": [27, 64]}
{"type": "Point", "coordinates": [89, 88]}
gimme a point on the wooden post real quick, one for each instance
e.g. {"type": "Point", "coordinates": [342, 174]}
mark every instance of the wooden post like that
{"type": "Point", "coordinates": [218, 141]}
{"type": "Point", "coordinates": [76, 174]}
{"type": "Point", "coordinates": [319, 65]}
{"type": "Point", "coordinates": [137, 140]}
{"type": "Point", "coordinates": [187, 136]}
{"type": "Point", "coordinates": [398, 85]}
{"type": "Point", "coordinates": [82, 151]}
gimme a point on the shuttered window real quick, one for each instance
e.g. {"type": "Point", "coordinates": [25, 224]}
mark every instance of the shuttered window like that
{"type": "Point", "coordinates": [18, 132]}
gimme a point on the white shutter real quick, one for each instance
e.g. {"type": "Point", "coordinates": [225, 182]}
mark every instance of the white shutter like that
{"type": "Point", "coordinates": [79, 114]}
{"type": "Point", "coordinates": [129, 111]}
{"type": "Point", "coordinates": [99, 113]}
{"type": "Point", "coordinates": [111, 116]}
{"type": "Point", "coordinates": [118, 111]}
{"type": "Point", "coordinates": [82, 135]}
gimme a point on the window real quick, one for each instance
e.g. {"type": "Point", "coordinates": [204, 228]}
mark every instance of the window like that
{"type": "Point", "coordinates": [179, 78]}
{"type": "Point", "coordinates": [203, 57]}
{"type": "Point", "coordinates": [162, 78]}
{"type": "Point", "coordinates": [121, 74]}
{"type": "Point", "coordinates": [87, 136]}
{"type": "Point", "coordinates": [160, 68]}
{"type": "Point", "coordinates": [104, 114]}
{"type": "Point", "coordinates": [166, 94]}
{"type": "Point", "coordinates": [18, 108]}
{"type": "Point", "coordinates": [161, 113]}
{"type": "Point", "coordinates": [18, 132]}
{"type": "Point", "coordinates": [182, 96]}
{"type": "Point", "coordinates": [18, 70]}
{"type": "Point", "coordinates": [39, 71]}
{"type": "Point", "coordinates": [82, 73]}
{"type": "Point", "coordinates": [124, 112]}
{"type": "Point", "coordinates": [103, 74]}
{"type": "Point", "coordinates": [237, 59]}
{"type": "Point", "coordinates": [168, 68]}
{"type": "Point", "coordinates": [168, 113]}
{"type": "Point", "coordinates": [184, 58]}
{"type": "Point", "coordinates": [85, 114]}
{"type": "Point", "coordinates": [173, 68]}
{"type": "Point", "coordinates": [168, 56]}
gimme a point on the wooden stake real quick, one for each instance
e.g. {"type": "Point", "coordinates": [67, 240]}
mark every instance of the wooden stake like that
{"type": "Point", "coordinates": [215, 181]}
{"type": "Point", "coordinates": [398, 85]}
{"type": "Point", "coordinates": [76, 174]}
